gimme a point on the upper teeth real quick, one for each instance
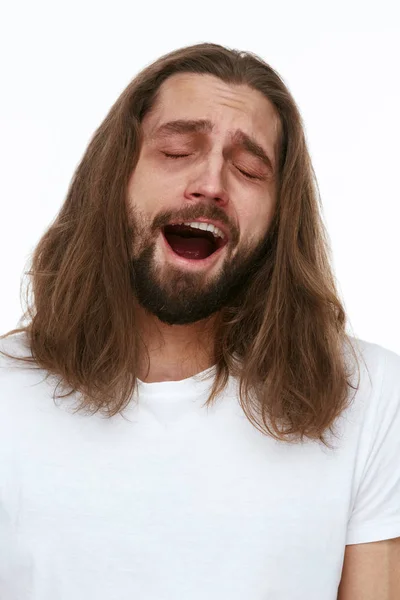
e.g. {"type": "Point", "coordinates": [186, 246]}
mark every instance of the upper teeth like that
{"type": "Point", "coordinates": [206, 227]}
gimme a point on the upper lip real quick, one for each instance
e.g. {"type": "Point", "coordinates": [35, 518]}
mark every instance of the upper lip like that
{"type": "Point", "coordinates": [218, 224]}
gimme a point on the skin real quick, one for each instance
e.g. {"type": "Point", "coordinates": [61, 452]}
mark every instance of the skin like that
{"type": "Point", "coordinates": [209, 182]}
{"type": "Point", "coordinates": [371, 571]}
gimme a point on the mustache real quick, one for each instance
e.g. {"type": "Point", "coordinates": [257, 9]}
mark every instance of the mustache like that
{"type": "Point", "coordinates": [139, 226]}
{"type": "Point", "coordinates": [191, 213]}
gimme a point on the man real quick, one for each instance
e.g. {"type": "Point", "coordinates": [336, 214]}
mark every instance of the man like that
{"type": "Point", "coordinates": [205, 443]}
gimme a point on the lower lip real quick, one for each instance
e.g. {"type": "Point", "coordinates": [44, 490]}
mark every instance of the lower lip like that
{"type": "Point", "coordinates": [190, 262]}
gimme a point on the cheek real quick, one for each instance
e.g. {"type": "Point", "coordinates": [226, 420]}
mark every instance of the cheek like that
{"type": "Point", "coordinates": [149, 189]}
{"type": "Point", "coordinates": [255, 220]}
{"type": "Point", "coordinates": [139, 204]}
{"type": "Point", "coordinates": [138, 187]}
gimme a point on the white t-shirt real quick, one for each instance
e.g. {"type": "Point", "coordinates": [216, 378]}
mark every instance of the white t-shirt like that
{"type": "Point", "coordinates": [172, 501]}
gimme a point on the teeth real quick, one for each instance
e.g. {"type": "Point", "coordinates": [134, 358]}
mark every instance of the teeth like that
{"type": "Point", "coordinates": [206, 227]}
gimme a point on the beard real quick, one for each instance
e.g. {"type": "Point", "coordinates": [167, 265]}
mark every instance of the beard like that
{"type": "Point", "coordinates": [179, 297]}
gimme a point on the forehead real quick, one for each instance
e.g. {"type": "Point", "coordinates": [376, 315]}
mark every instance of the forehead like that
{"type": "Point", "coordinates": [228, 106]}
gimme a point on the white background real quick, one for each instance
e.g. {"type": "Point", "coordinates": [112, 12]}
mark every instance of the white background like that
{"type": "Point", "coordinates": [64, 64]}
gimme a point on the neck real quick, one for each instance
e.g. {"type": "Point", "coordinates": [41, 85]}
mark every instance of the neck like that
{"type": "Point", "coordinates": [175, 352]}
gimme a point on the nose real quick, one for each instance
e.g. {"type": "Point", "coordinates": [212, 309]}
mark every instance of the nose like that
{"type": "Point", "coordinates": [208, 182]}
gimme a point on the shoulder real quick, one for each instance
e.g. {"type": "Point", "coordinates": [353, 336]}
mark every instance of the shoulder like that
{"type": "Point", "coordinates": [374, 393]}
{"type": "Point", "coordinates": [375, 507]}
{"type": "Point", "coordinates": [379, 367]}
{"type": "Point", "coordinates": [374, 354]}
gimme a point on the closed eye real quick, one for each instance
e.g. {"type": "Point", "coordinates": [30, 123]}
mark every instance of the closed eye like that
{"type": "Point", "coordinates": [248, 174]}
{"type": "Point", "coordinates": [175, 155]}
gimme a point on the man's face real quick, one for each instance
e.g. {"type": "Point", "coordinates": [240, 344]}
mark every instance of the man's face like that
{"type": "Point", "coordinates": [208, 155]}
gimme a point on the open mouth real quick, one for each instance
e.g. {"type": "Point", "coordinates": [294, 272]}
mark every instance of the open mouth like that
{"type": "Point", "coordinates": [193, 241]}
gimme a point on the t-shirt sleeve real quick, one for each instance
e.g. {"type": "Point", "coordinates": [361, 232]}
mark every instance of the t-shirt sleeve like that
{"type": "Point", "coordinates": [376, 511]}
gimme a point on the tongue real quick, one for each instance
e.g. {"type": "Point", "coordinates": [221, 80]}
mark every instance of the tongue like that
{"type": "Point", "coordinates": [195, 247]}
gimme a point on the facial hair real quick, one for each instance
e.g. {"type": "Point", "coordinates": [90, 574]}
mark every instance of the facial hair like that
{"type": "Point", "coordinates": [179, 297]}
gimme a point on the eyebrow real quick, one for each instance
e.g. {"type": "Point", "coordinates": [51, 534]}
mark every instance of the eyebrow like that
{"type": "Point", "coordinates": [239, 138]}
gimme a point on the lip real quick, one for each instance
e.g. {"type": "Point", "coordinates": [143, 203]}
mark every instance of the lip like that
{"type": "Point", "coordinates": [197, 264]}
{"type": "Point", "coordinates": [218, 224]}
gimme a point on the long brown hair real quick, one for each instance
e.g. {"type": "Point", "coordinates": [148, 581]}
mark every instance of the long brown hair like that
{"type": "Point", "coordinates": [288, 330]}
